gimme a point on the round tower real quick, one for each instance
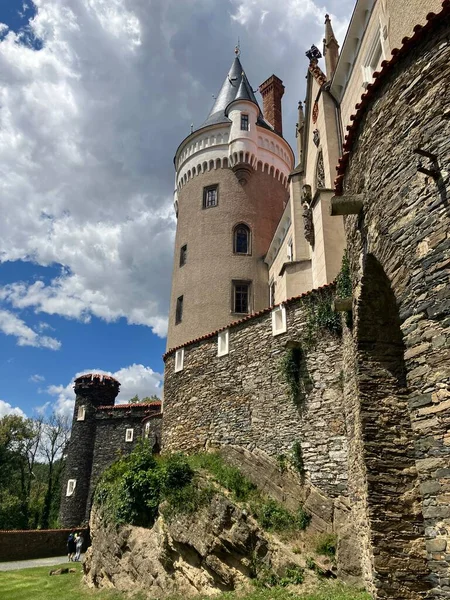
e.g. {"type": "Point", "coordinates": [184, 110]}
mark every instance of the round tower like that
{"type": "Point", "coordinates": [91, 390]}
{"type": "Point", "coordinates": [231, 188]}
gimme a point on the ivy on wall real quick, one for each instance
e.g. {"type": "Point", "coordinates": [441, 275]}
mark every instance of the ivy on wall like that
{"type": "Point", "coordinates": [344, 279]}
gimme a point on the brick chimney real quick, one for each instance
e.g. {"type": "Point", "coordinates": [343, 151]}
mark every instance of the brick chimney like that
{"type": "Point", "coordinates": [272, 91]}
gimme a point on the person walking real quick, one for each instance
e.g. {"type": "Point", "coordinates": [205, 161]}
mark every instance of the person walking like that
{"type": "Point", "coordinates": [79, 546]}
{"type": "Point", "coordinates": [71, 546]}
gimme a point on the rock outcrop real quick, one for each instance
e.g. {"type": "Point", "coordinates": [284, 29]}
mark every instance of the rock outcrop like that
{"type": "Point", "coordinates": [218, 549]}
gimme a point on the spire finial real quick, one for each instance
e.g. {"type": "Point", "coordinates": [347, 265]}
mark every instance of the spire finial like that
{"type": "Point", "coordinates": [237, 49]}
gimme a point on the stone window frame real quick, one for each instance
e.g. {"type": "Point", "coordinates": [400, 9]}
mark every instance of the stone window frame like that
{"type": "Point", "coordinates": [179, 360]}
{"type": "Point", "coordinates": [373, 57]}
{"type": "Point", "coordinates": [245, 122]}
{"type": "Point", "coordinates": [223, 342]}
{"type": "Point", "coordinates": [71, 485]}
{"type": "Point", "coordinates": [248, 232]}
{"type": "Point", "coordinates": [272, 288]}
{"type": "Point", "coordinates": [207, 202]}
{"type": "Point", "coordinates": [81, 413]}
{"type": "Point", "coordinates": [183, 255]}
{"type": "Point", "coordinates": [234, 298]}
{"type": "Point", "coordinates": [129, 434]}
{"type": "Point", "coordinates": [279, 322]}
{"type": "Point", "coordinates": [179, 310]}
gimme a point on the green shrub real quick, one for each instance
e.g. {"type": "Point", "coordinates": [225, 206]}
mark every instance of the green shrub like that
{"type": "Point", "coordinates": [131, 490]}
{"type": "Point", "coordinates": [344, 279]}
{"type": "Point", "coordinates": [293, 575]}
{"type": "Point", "coordinates": [187, 500]}
{"type": "Point", "coordinates": [227, 476]}
{"type": "Point", "coordinates": [297, 458]}
{"type": "Point", "coordinates": [326, 545]}
{"type": "Point", "coordinates": [303, 518]}
{"type": "Point", "coordinates": [274, 517]}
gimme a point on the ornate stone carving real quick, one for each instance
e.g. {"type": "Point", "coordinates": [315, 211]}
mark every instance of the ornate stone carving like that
{"type": "Point", "coordinates": [308, 225]}
{"type": "Point", "coordinates": [320, 171]}
{"type": "Point", "coordinates": [316, 137]}
{"type": "Point", "coordinates": [315, 113]}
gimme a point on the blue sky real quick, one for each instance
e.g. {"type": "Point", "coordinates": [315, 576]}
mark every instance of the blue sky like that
{"type": "Point", "coordinates": [94, 99]}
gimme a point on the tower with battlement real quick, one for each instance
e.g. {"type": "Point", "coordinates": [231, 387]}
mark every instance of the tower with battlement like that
{"type": "Point", "coordinates": [230, 191]}
{"type": "Point", "coordinates": [101, 431]}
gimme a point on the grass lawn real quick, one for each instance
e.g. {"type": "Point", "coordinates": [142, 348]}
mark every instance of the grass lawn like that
{"type": "Point", "coordinates": [36, 584]}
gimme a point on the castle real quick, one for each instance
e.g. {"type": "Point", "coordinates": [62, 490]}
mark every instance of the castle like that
{"type": "Point", "coordinates": [260, 239]}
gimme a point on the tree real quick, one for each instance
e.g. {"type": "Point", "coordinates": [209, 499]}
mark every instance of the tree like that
{"type": "Point", "coordinates": [55, 434]}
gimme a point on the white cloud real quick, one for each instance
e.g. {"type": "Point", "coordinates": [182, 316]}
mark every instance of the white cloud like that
{"type": "Point", "coordinates": [37, 378]}
{"type": "Point", "coordinates": [89, 125]}
{"type": "Point", "coordinates": [134, 379]}
{"type": "Point", "coordinates": [7, 409]}
{"type": "Point", "coordinates": [10, 324]}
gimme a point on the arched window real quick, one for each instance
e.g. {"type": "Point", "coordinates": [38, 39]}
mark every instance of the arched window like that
{"type": "Point", "coordinates": [241, 239]}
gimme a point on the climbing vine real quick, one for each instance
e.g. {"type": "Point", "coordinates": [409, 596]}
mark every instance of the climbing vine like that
{"type": "Point", "coordinates": [344, 279]}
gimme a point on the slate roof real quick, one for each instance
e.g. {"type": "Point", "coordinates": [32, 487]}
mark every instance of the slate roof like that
{"type": "Point", "coordinates": [235, 87]}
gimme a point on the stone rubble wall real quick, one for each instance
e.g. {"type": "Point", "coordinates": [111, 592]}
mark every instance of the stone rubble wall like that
{"type": "Point", "coordinates": [404, 229]}
{"type": "Point", "coordinates": [241, 399]}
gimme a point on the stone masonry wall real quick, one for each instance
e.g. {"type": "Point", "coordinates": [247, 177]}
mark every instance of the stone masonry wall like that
{"type": "Point", "coordinates": [242, 399]}
{"type": "Point", "coordinates": [110, 441]}
{"type": "Point", "coordinates": [404, 230]}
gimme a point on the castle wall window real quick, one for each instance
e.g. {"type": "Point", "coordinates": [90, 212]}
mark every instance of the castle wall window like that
{"type": "Point", "coordinates": [183, 255]}
{"type": "Point", "coordinates": [373, 58]}
{"type": "Point", "coordinates": [210, 196]}
{"type": "Point", "coordinates": [147, 430]}
{"type": "Point", "coordinates": [244, 122]}
{"type": "Point", "coordinates": [71, 484]}
{"type": "Point", "coordinates": [81, 414]}
{"type": "Point", "coordinates": [223, 342]}
{"type": "Point", "coordinates": [272, 292]}
{"type": "Point", "coordinates": [129, 435]}
{"type": "Point", "coordinates": [179, 360]}
{"type": "Point", "coordinates": [241, 297]}
{"type": "Point", "coordinates": [241, 240]}
{"type": "Point", "coordinates": [179, 310]}
{"type": "Point", "coordinates": [290, 250]}
{"type": "Point", "coordinates": [279, 320]}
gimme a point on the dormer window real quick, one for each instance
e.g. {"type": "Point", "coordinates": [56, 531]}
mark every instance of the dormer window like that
{"type": "Point", "coordinates": [244, 122]}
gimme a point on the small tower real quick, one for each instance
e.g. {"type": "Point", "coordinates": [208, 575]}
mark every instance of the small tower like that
{"type": "Point", "coordinates": [330, 49]}
{"type": "Point", "coordinates": [92, 391]}
{"type": "Point", "coordinates": [231, 188]}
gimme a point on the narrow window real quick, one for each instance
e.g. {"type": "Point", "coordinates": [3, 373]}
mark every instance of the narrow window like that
{"type": "Point", "coordinates": [241, 241]}
{"type": "Point", "coordinates": [244, 122]}
{"type": "Point", "coordinates": [129, 435]}
{"type": "Point", "coordinates": [179, 360]}
{"type": "Point", "coordinates": [183, 255]}
{"type": "Point", "coordinates": [279, 320]}
{"type": "Point", "coordinates": [179, 310]}
{"type": "Point", "coordinates": [290, 251]}
{"type": "Point", "coordinates": [272, 293]}
{"type": "Point", "coordinates": [222, 342]}
{"type": "Point", "coordinates": [241, 297]}
{"type": "Point", "coordinates": [81, 413]}
{"type": "Point", "coordinates": [71, 484]}
{"type": "Point", "coordinates": [147, 430]}
{"type": "Point", "coordinates": [210, 196]}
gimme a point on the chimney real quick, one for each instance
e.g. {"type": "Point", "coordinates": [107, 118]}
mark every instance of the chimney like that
{"type": "Point", "coordinates": [272, 91]}
{"type": "Point", "coordinates": [330, 49]}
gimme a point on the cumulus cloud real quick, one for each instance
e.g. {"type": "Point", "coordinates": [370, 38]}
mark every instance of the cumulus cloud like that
{"type": "Point", "coordinates": [134, 379]}
{"type": "Point", "coordinates": [7, 409]}
{"type": "Point", "coordinates": [10, 324]}
{"type": "Point", "coordinates": [89, 124]}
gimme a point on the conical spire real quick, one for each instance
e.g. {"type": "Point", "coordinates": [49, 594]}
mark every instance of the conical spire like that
{"type": "Point", "coordinates": [330, 48]}
{"type": "Point", "coordinates": [235, 87]}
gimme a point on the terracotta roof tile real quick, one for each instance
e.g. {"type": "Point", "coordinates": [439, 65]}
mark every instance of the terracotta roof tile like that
{"type": "Point", "coordinates": [129, 406]}
{"type": "Point", "coordinates": [247, 318]}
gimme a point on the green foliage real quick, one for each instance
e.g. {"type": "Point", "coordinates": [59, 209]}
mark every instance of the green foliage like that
{"type": "Point", "coordinates": [274, 517]}
{"type": "Point", "coordinates": [145, 400]}
{"type": "Point", "coordinates": [297, 458]}
{"type": "Point", "coordinates": [310, 564]}
{"type": "Point", "coordinates": [35, 583]}
{"type": "Point", "coordinates": [326, 545]}
{"type": "Point", "coordinates": [131, 490]}
{"type": "Point", "coordinates": [293, 575]}
{"type": "Point", "coordinates": [320, 317]}
{"type": "Point", "coordinates": [303, 518]}
{"type": "Point", "coordinates": [227, 476]}
{"type": "Point", "coordinates": [290, 370]}
{"type": "Point", "coordinates": [344, 279]}
{"type": "Point", "coordinates": [282, 463]}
